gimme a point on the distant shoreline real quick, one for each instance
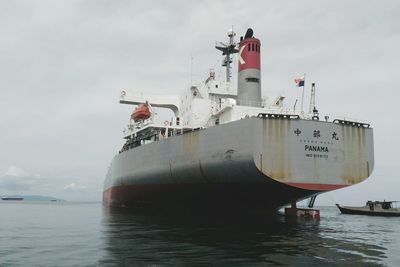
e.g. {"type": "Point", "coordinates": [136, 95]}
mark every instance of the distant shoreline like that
{"type": "Point", "coordinates": [30, 198]}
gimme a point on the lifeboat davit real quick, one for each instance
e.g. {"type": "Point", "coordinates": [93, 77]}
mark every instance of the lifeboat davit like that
{"type": "Point", "coordinates": [141, 112]}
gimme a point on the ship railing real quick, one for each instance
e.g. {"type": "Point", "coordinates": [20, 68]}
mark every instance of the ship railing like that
{"type": "Point", "coordinates": [279, 115]}
{"type": "Point", "coordinates": [134, 127]}
{"type": "Point", "coordinates": [289, 114]}
{"type": "Point", "coordinates": [352, 122]}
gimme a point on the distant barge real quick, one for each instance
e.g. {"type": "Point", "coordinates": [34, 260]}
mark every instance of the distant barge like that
{"type": "Point", "coordinates": [373, 208]}
{"type": "Point", "coordinates": [12, 198]}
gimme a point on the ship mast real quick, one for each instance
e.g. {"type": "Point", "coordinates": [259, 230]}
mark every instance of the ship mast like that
{"type": "Point", "coordinates": [227, 50]}
{"type": "Point", "coordinates": [312, 98]}
{"type": "Point", "coordinates": [313, 109]}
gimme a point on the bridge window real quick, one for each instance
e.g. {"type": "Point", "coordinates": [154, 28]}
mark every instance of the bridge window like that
{"type": "Point", "coordinates": [252, 47]}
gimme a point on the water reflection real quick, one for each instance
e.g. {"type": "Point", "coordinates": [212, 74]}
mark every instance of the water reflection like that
{"type": "Point", "coordinates": [140, 238]}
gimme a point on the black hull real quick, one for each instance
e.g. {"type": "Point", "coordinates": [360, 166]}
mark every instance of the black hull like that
{"type": "Point", "coordinates": [216, 197]}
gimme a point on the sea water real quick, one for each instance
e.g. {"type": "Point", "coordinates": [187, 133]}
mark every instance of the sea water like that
{"type": "Point", "coordinates": [86, 234]}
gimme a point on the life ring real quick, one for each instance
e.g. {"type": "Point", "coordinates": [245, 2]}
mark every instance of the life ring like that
{"type": "Point", "coordinates": [166, 123]}
{"type": "Point", "coordinates": [123, 93]}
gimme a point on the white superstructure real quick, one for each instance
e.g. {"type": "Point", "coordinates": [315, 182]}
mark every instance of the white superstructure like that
{"type": "Point", "coordinates": [214, 101]}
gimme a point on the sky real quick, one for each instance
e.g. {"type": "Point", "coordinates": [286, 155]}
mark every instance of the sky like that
{"type": "Point", "coordinates": [63, 64]}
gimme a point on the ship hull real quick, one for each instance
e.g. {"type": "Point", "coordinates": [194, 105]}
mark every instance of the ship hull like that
{"type": "Point", "coordinates": [254, 163]}
{"type": "Point", "coordinates": [217, 197]}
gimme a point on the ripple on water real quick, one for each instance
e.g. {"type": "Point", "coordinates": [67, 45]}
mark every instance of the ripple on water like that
{"type": "Point", "coordinates": [87, 235]}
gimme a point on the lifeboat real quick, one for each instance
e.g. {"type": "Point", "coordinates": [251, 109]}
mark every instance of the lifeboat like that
{"type": "Point", "coordinates": [141, 112]}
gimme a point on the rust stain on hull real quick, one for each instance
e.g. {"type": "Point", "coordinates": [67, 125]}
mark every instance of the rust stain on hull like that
{"type": "Point", "coordinates": [339, 153]}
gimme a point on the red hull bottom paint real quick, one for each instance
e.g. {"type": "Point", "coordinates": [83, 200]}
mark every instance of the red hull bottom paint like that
{"type": "Point", "coordinates": [257, 196]}
{"type": "Point", "coordinates": [317, 187]}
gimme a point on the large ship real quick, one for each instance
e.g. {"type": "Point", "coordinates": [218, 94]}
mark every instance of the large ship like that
{"type": "Point", "coordinates": [229, 148]}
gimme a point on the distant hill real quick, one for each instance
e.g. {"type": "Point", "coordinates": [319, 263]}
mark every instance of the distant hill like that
{"type": "Point", "coordinates": [33, 198]}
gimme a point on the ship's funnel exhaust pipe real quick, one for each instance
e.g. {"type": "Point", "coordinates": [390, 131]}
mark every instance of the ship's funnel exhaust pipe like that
{"type": "Point", "coordinates": [249, 76]}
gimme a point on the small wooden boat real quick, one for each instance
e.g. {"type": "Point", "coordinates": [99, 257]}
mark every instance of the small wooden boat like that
{"type": "Point", "coordinates": [374, 208]}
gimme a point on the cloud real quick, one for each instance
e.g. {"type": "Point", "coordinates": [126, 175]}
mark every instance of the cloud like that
{"type": "Point", "coordinates": [17, 179]}
{"type": "Point", "coordinates": [16, 171]}
{"type": "Point", "coordinates": [16, 184]}
{"type": "Point", "coordinates": [74, 187]}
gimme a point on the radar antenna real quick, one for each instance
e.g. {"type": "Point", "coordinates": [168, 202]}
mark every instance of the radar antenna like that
{"type": "Point", "coordinates": [227, 50]}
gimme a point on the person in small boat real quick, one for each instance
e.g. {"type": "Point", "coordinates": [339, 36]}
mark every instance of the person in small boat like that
{"type": "Point", "coordinates": [371, 205]}
{"type": "Point", "coordinates": [386, 205]}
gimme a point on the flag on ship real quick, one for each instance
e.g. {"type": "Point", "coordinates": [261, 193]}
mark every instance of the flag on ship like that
{"type": "Point", "coordinates": [300, 81]}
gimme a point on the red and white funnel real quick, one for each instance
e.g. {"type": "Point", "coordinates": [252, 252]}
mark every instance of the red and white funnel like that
{"type": "Point", "coordinates": [249, 76]}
